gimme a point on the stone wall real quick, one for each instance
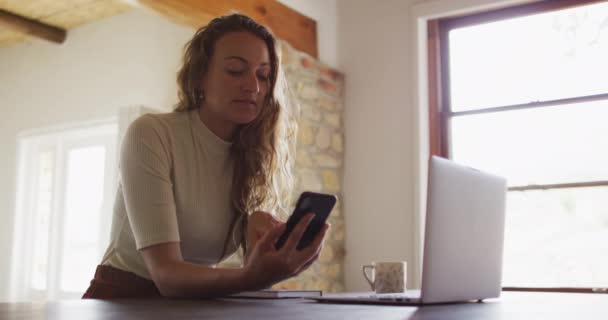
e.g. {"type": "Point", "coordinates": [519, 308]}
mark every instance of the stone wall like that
{"type": "Point", "coordinates": [319, 158]}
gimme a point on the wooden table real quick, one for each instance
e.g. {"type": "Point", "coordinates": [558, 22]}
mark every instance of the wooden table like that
{"type": "Point", "coordinates": [512, 305]}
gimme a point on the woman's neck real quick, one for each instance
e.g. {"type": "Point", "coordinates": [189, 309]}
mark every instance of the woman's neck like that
{"type": "Point", "coordinates": [221, 128]}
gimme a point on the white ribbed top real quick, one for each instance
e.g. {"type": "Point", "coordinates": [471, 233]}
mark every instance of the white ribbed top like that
{"type": "Point", "coordinates": [175, 184]}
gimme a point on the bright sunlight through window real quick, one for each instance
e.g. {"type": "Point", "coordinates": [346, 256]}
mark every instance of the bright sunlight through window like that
{"type": "Point", "coordinates": [555, 236]}
{"type": "Point", "coordinates": [66, 180]}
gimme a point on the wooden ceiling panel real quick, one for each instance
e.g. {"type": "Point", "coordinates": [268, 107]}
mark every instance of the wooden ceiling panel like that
{"type": "Point", "coordinates": [300, 31]}
{"type": "Point", "coordinates": [290, 25]}
{"type": "Point", "coordinates": [89, 12]}
{"type": "Point", "coordinates": [65, 14]}
{"type": "Point", "coordinates": [40, 9]}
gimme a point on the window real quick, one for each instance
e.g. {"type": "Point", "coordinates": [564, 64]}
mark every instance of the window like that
{"type": "Point", "coordinates": [65, 183]}
{"type": "Point", "coordinates": [522, 92]}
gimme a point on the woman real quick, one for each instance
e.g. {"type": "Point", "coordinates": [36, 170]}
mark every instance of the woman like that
{"type": "Point", "coordinates": [190, 178]}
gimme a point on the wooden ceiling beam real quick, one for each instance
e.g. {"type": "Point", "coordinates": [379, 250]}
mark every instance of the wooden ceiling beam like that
{"type": "Point", "coordinates": [32, 27]}
{"type": "Point", "coordinates": [287, 24]}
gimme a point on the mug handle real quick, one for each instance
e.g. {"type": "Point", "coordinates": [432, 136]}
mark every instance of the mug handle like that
{"type": "Point", "coordinates": [368, 278]}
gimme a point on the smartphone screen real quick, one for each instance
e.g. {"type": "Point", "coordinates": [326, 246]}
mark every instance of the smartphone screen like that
{"type": "Point", "coordinates": [318, 203]}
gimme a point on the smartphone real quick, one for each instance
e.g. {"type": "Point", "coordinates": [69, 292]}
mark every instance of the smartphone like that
{"type": "Point", "coordinates": [318, 203]}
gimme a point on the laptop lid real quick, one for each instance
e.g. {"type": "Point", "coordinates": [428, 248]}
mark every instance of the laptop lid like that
{"type": "Point", "coordinates": [463, 245]}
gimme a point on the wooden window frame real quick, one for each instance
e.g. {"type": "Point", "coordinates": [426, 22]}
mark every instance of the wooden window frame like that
{"type": "Point", "coordinates": [439, 93]}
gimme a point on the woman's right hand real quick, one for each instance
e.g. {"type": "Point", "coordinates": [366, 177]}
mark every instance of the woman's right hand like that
{"type": "Point", "coordinates": [267, 265]}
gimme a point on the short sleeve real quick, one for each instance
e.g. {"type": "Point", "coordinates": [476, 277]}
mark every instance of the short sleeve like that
{"type": "Point", "coordinates": [145, 173]}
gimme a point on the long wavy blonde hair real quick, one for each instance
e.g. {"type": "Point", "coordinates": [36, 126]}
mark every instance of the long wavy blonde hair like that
{"type": "Point", "coordinates": [263, 148]}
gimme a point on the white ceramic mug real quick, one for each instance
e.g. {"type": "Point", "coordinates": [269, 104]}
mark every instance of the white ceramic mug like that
{"type": "Point", "coordinates": [387, 277]}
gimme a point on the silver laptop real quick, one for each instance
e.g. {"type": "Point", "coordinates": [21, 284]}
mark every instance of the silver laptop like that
{"type": "Point", "coordinates": [463, 240]}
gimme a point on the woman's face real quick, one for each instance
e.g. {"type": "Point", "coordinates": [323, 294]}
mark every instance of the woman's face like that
{"type": "Point", "coordinates": [237, 80]}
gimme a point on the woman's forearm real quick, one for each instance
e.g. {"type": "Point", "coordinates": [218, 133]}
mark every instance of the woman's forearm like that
{"type": "Point", "coordinates": [187, 280]}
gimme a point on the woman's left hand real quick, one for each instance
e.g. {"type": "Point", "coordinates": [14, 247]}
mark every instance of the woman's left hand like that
{"type": "Point", "coordinates": [259, 223]}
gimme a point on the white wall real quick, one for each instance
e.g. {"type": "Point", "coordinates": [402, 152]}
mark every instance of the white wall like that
{"type": "Point", "coordinates": [129, 59]}
{"type": "Point", "coordinates": [382, 51]}
{"type": "Point", "coordinates": [325, 13]}
{"type": "Point", "coordinates": [374, 51]}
